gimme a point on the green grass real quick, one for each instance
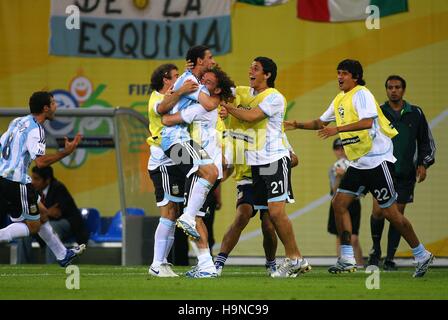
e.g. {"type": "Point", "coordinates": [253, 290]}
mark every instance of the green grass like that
{"type": "Point", "coordinates": [240, 283]}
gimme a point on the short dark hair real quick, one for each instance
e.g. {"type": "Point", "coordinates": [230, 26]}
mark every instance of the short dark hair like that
{"type": "Point", "coordinates": [355, 68]}
{"type": "Point", "coordinates": [224, 83]}
{"type": "Point", "coordinates": [195, 53]}
{"type": "Point", "coordinates": [268, 66]}
{"type": "Point", "coordinates": [38, 100]}
{"type": "Point", "coordinates": [44, 172]}
{"type": "Point", "coordinates": [396, 77]}
{"type": "Point", "coordinates": [162, 71]}
{"type": "Point", "coordinates": [337, 143]}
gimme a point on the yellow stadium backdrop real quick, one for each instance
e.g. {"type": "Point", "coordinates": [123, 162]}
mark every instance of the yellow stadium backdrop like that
{"type": "Point", "coordinates": [413, 44]}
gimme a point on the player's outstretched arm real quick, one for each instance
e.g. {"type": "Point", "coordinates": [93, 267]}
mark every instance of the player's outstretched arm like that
{"type": "Point", "coordinates": [49, 159]}
{"type": "Point", "coordinates": [309, 125]}
{"type": "Point", "coordinates": [252, 115]}
{"type": "Point", "coordinates": [355, 126]}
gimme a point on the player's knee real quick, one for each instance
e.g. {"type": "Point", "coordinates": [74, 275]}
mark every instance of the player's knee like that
{"type": "Point", "coordinates": [211, 173]}
{"type": "Point", "coordinates": [33, 226]}
{"type": "Point", "coordinates": [339, 206]}
{"type": "Point", "coordinates": [241, 221]}
{"type": "Point", "coordinates": [268, 229]}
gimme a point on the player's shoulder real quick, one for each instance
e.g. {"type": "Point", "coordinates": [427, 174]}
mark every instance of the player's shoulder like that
{"type": "Point", "coordinates": [274, 97]}
{"type": "Point", "coordinates": [187, 75]}
{"type": "Point", "coordinates": [363, 93]}
{"type": "Point", "coordinates": [27, 124]}
{"type": "Point", "coordinates": [155, 97]}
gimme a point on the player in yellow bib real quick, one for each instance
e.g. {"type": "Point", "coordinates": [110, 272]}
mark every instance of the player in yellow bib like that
{"type": "Point", "coordinates": [269, 158]}
{"type": "Point", "coordinates": [366, 137]}
{"type": "Point", "coordinates": [169, 187]}
{"type": "Point", "coordinates": [235, 139]}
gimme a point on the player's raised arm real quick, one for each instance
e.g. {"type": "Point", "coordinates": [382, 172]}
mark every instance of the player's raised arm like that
{"type": "Point", "coordinates": [316, 124]}
{"type": "Point", "coordinates": [359, 125]}
{"type": "Point", "coordinates": [49, 159]}
{"type": "Point", "coordinates": [252, 115]}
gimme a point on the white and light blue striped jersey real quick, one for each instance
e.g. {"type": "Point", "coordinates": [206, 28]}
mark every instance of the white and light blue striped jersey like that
{"type": "Point", "coordinates": [179, 133]}
{"type": "Point", "coordinates": [19, 146]}
{"type": "Point", "coordinates": [204, 132]}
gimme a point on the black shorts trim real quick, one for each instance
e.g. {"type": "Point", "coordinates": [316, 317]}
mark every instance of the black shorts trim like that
{"type": "Point", "coordinates": [379, 181]}
{"type": "Point", "coordinates": [272, 183]}
{"type": "Point", "coordinates": [19, 200]}
{"type": "Point", "coordinates": [168, 184]}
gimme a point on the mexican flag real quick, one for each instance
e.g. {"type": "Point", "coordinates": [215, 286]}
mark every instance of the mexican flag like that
{"type": "Point", "coordinates": [264, 2]}
{"type": "Point", "coordinates": [346, 10]}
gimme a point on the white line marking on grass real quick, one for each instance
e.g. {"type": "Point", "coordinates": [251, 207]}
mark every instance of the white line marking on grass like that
{"type": "Point", "coordinates": [62, 275]}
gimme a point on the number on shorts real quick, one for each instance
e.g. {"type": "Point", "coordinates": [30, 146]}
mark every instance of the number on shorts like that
{"type": "Point", "coordinates": [382, 195]}
{"type": "Point", "coordinates": [274, 186]}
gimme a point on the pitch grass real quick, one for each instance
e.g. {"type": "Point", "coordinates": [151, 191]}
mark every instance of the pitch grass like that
{"type": "Point", "coordinates": [237, 283]}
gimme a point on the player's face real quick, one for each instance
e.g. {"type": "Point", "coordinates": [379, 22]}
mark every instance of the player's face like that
{"type": "Point", "coordinates": [38, 182]}
{"type": "Point", "coordinates": [394, 90]}
{"type": "Point", "coordinates": [257, 78]}
{"type": "Point", "coordinates": [210, 81]}
{"type": "Point", "coordinates": [339, 153]}
{"type": "Point", "coordinates": [174, 74]}
{"type": "Point", "coordinates": [345, 80]}
{"type": "Point", "coordinates": [50, 113]}
{"type": "Point", "coordinates": [208, 60]}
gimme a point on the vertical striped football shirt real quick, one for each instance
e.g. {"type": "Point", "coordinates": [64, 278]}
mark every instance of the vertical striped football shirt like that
{"type": "Point", "coordinates": [19, 146]}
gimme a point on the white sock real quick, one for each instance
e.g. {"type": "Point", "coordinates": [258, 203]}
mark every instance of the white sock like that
{"type": "Point", "coordinates": [161, 240]}
{"type": "Point", "coordinates": [170, 242]}
{"type": "Point", "coordinates": [197, 196]}
{"type": "Point", "coordinates": [13, 231]}
{"type": "Point", "coordinates": [205, 259]}
{"type": "Point", "coordinates": [347, 252]}
{"type": "Point", "coordinates": [52, 240]}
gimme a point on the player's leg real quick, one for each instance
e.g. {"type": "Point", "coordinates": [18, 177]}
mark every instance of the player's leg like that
{"type": "Point", "coordinates": [167, 196]}
{"type": "Point", "coordinates": [269, 241]}
{"type": "Point", "coordinates": [52, 233]}
{"type": "Point", "coordinates": [376, 229]}
{"type": "Point", "coordinates": [244, 212]}
{"type": "Point", "coordinates": [205, 267]}
{"type": "Point", "coordinates": [24, 212]}
{"type": "Point", "coordinates": [201, 174]}
{"type": "Point", "coordinates": [405, 191]}
{"type": "Point", "coordinates": [272, 182]}
{"type": "Point", "coordinates": [393, 240]}
{"type": "Point", "coordinates": [355, 216]}
{"type": "Point", "coordinates": [383, 189]}
{"type": "Point", "coordinates": [349, 188]}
